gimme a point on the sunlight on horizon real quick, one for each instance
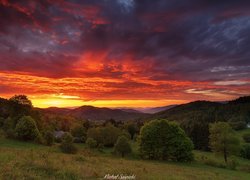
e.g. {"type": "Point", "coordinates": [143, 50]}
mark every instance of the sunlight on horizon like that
{"type": "Point", "coordinates": [63, 103]}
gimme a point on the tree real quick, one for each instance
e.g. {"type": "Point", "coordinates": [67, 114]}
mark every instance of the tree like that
{"type": "Point", "coordinates": [106, 135]}
{"type": "Point", "coordinates": [86, 124]}
{"type": "Point", "coordinates": [131, 128]}
{"type": "Point", "coordinates": [19, 106]}
{"type": "Point", "coordinates": [95, 133]}
{"type": "Point", "coordinates": [122, 146]}
{"type": "Point", "coordinates": [79, 133]}
{"type": "Point", "coordinates": [196, 126]}
{"type": "Point", "coordinates": [67, 145]}
{"type": "Point", "coordinates": [110, 135]}
{"type": "Point", "coordinates": [162, 140]}
{"type": "Point", "coordinates": [26, 129]}
{"type": "Point", "coordinates": [9, 128]}
{"type": "Point", "coordinates": [223, 140]}
{"type": "Point", "coordinates": [126, 134]}
{"type": "Point", "coordinates": [21, 99]}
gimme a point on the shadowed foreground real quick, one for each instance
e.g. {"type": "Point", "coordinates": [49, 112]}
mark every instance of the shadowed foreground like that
{"type": "Point", "coordinates": [20, 160]}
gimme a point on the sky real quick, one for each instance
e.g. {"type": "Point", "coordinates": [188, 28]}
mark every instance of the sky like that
{"type": "Point", "coordinates": [124, 53]}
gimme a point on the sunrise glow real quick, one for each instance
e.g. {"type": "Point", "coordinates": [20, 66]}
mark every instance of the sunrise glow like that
{"type": "Point", "coordinates": [122, 54]}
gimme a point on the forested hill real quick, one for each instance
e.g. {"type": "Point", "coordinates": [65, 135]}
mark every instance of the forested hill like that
{"type": "Point", "coordinates": [195, 117]}
{"type": "Point", "coordinates": [237, 110]}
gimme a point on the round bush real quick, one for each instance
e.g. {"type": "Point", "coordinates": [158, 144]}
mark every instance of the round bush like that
{"type": "Point", "coordinates": [67, 145]}
{"type": "Point", "coordinates": [26, 129]}
{"type": "Point", "coordinates": [162, 140]}
{"type": "Point", "coordinates": [91, 143]}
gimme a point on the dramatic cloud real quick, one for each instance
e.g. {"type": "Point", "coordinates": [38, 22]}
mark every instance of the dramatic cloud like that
{"type": "Point", "coordinates": [124, 51]}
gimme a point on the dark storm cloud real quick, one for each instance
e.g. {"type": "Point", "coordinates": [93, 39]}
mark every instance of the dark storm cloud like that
{"type": "Point", "coordinates": [181, 39]}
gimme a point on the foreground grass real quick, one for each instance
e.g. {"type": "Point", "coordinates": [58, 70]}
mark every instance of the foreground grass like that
{"type": "Point", "coordinates": [20, 160]}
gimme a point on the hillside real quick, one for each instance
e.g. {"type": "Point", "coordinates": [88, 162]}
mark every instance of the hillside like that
{"type": "Point", "coordinates": [22, 160]}
{"type": "Point", "coordinates": [216, 111]}
{"type": "Point", "coordinates": [195, 117]}
{"type": "Point", "coordinates": [96, 114]}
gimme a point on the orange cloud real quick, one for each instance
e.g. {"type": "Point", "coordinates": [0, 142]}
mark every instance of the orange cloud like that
{"type": "Point", "coordinates": [98, 91]}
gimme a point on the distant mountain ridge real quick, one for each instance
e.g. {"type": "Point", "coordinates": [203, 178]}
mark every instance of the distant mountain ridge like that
{"type": "Point", "coordinates": [96, 114]}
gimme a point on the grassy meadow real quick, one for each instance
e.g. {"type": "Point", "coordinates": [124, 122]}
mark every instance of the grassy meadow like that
{"type": "Point", "coordinates": [23, 160]}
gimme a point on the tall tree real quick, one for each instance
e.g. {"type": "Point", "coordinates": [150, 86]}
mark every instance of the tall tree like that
{"type": "Point", "coordinates": [21, 99]}
{"type": "Point", "coordinates": [223, 140]}
{"type": "Point", "coordinates": [122, 146]}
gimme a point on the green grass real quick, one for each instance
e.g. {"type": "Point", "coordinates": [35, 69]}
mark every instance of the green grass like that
{"type": "Point", "coordinates": [19, 160]}
{"type": "Point", "coordinates": [241, 133]}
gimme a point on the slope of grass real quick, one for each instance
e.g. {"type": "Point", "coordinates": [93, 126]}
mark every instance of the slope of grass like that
{"type": "Point", "coordinates": [20, 160]}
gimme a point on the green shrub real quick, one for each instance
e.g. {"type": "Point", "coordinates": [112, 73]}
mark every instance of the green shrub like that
{"type": "Point", "coordinates": [49, 138]}
{"type": "Point", "coordinates": [122, 146]}
{"type": "Point", "coordinates": [162, 140]}
{"type": "Point", "coordinates": [246, 137]}
{"type": "Point", "coordinates": [26, 129]}
{"type": "Point", "coordinates": [245, 151]}
{"type": "Point", "coordinates": [67, 145]}
{"type": "Point", "coordinates": [91, 143]}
